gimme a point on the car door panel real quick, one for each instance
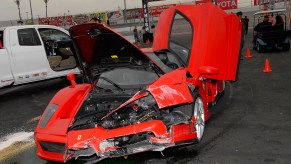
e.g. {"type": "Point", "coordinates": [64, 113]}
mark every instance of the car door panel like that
{"type": "Point", "coordinates": [215, 43]}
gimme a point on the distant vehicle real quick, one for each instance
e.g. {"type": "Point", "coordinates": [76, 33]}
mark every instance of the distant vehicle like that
{"type": "Point", "coordinates": [135, 100]}
{"type": "Point", "coordinates": [33, 53]}
{"type": "Point", "coordinates": [271, 36]}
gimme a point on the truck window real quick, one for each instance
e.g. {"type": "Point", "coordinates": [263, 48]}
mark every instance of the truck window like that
{"type": "Point", "coordinates": [1, 39]}
{"type": "Point", "coordinates": [28, 37]}
{"type": "Point", "coordinates": [59, 49]}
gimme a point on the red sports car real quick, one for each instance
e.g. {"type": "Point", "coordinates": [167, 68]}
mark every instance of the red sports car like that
{"type": "Point", "coordinates": [135, 100]}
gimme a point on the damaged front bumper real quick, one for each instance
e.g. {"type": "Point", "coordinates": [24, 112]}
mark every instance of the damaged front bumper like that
{"type": "Point", "coordinates": [148, 136]}
{"type": "Point", "coordinates": [142, 146]}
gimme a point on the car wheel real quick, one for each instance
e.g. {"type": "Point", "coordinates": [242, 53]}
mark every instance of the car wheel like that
{"type": "Point", "coordinates": [198, 114]}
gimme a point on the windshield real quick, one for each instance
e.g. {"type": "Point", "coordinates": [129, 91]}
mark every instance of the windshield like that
{"type": "Point", "coordinates": [127, 78]}
{"type": "Point", "coordinates": [53, 34]}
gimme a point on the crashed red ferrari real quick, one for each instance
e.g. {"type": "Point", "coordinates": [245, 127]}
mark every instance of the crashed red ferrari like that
{"type": "Point", "coordinates": [135, 100]}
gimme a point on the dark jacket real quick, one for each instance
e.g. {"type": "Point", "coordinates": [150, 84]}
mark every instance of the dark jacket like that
{"type": "Point", "coordinates": [263, 26]}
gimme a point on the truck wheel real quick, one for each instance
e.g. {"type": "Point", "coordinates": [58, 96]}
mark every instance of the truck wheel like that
{"type": "Point", "coordinates": [286, 47]}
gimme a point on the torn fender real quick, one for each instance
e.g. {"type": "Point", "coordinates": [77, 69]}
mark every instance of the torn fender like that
{"type": "Point", "coordinates": [171, 89]}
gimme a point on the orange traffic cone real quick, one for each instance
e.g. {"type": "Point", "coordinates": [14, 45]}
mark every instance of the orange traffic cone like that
{"type": "Point", "coordinates": [148, 41]}
{"type": "Point", "coordinates": [138, 44]}
{"type": "Point", "coordinates": [248, 54]}
{"type": "Point", "coordinates": [267, 66]}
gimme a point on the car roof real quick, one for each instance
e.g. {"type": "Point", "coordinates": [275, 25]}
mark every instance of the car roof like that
{"type": "Point", "coordinates": [28, 26]}
{"type": "Point", "coordinates": [270, 11]}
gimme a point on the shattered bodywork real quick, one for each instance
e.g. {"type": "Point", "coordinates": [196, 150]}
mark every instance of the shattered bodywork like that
{"type": "Point", "coordinates": [136, 100]}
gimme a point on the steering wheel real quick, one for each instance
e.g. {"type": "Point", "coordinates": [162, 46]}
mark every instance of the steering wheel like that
{"type": "Point", "coordinates": [51, 45]}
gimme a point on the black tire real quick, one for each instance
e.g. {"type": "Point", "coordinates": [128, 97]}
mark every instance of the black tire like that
{"type": "Point", "coordinates": [286, 47]}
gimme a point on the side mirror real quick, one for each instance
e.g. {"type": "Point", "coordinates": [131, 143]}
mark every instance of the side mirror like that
{"type": "Point", "coordinates": [207, 70]}
{"type": "Point", "coordinates": [71, 78]}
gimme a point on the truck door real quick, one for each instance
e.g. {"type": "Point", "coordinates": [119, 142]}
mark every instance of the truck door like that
{"type": "Point", "coordinates": [6, 77]}
{"type": "Point", "coordinates": [28, 55]}
{"type": "Point", "coordinates": [59, 51]}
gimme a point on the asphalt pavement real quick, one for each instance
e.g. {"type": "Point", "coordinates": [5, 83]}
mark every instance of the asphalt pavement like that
{"type": "Point", "coordinates": [250, 124]}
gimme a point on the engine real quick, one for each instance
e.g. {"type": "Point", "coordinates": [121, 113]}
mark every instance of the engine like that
{"type": "Point", "coordinates": [94, 112]}
{"type": "Point", "coordinates": [138, 111]}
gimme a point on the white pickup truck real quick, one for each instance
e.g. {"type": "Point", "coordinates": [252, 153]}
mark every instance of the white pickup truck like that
{"type": "Point", "coordinates": [33, 53]}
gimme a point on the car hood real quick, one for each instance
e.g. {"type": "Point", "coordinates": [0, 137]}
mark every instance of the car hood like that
{"type": "Point", "coordinates": [98, 46]}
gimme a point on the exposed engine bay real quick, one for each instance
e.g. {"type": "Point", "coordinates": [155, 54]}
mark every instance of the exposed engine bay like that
{"type": "Point", "coordinates": [102, 109]}
{"type": "Point", "coordinates": [98, 110]}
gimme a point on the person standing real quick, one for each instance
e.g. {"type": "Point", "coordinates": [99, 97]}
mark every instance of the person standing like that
{"type": "Point", "coordinates": [93, 20]}
{"type": "Point", "coordinates": [242, 43]}
{"type": "Point", "coordinates": [99, 20]}
{"type": "Point", "coordinates": [246, 23]}
{"type": "Point", "coordinates": [135, 34]}
{"type": "Point", "coordinates": [279, 25]}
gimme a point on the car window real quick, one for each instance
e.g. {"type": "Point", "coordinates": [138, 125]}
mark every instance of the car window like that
{"type": "Point", "coordinates": [28, 37]}
{"type": "Point", "coordinates": [181, 35]}
{"type": "Point", "coordinates": [165, 60]}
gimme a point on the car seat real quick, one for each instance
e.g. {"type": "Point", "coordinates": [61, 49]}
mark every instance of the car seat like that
{"type": "Point", "coordinates": [54, 61]}
{"type": "Point", "coordinates": [68, 63]}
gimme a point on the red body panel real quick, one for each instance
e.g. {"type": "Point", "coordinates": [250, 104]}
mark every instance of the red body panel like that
{"type": "Point", "coordinates": [52, 156]}
{"type": "Point", "coordinates": [69, 100]}
{"type": "Point", "coordinates": [211, 88]}
{"type": "Point", "coordinates": [171, 89]}
{"type": "Point", "coordinates": [83, 139]}
{"type": "Point", "coordinates": [74, 141]}
{"type": "Point", "coordinates": [216, 47]}
{"type": "Point", "coordinates": [183, 132]}
{"type": "Point", "coordinates": [86, 45]}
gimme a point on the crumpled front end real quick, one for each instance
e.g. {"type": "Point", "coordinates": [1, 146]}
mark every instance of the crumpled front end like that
{"type": "Point", "coordinates": [140, 124]}
{"type": "Point", "coordinates": [101, 143]}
